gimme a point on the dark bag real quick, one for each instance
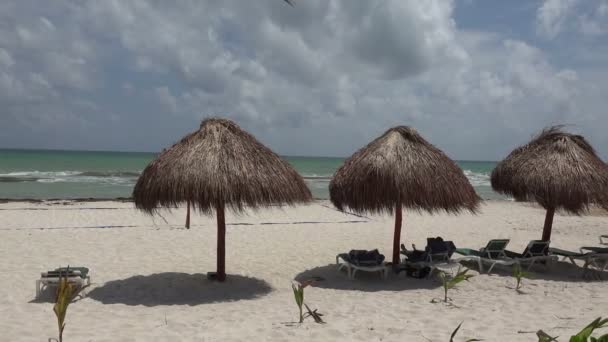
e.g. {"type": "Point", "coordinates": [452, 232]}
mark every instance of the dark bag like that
{"type": "Point", "coordinates": [363, 257]}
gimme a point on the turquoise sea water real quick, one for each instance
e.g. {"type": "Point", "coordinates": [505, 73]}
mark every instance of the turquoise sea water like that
{"type": "Point", "coordinates": [42, 174]}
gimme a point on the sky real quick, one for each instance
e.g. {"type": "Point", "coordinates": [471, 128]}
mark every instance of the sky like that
{"type": "Point", "coordinates": [322, 78]}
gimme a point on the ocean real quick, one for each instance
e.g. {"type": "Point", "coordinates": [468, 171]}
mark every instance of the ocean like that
{"type": "Point", "coordinates": [45, 174]}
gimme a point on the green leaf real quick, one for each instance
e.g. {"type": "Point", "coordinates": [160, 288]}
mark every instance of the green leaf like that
{"type": "Point", "coordinates": [584, 334]}
{"type": "Point", "coordinates": [459, 277]}
{"type": "Point", "coordinates": [455, 332]}
{"type": "Point", "coordinates": [544, 337]}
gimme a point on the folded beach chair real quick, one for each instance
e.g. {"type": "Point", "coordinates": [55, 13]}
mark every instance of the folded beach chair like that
{"type": "Point", "coordinates": [362, 260]}
{"type": "Point", "coordinates": [493, 254]}
{"type": "Point", "coordinates": [596, 259]}
{"type": "Point", "coordinates": [75, 275]}
{"type": "Point", "coordinates": [536, 251]}
{"type": "Point", "coordinates": [604, 239]}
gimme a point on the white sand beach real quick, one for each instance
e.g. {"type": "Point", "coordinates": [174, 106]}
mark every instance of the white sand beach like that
{"type": "Point", "coordinates": [149, 281]}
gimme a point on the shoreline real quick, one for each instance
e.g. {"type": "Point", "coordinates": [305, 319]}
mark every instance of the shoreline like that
{"type": "Point", "coordinates": [130, 199]}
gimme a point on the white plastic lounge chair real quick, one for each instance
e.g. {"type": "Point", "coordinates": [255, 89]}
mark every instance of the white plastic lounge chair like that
{"type": "Point", "coordinates": [352, 268]}
{"type": "Point", "coordinates": [493, 254]}
{"type": "Point", "coordinates": [75, 275]}
{"type": "Point", "coordinates": [537, 251]}
{"type": "Point", "coordinates": [595, 259]}
{"type": "Point", "coordinates": [594, 249]}
{"type": "Point", "coordinates": [604, 239]}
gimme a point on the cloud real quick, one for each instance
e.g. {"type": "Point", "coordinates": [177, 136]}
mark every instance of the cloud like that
{"type": "Point", "coordinates": [321, 78]}
{"type": "Point", "coordinates": [594, 23]}
{"type": "Point", "coordinates": [552, 15]}
{"type": "Point", "coordinates": [587, 18]}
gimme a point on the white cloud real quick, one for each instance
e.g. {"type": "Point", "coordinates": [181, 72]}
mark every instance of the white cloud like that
{"type": "Point", "coordinates": [588, 18]}
{"type": "Point", "coordinates": [323, 77]}
{"type": "Point", "coordinates": [552, 15]}
{"type": "Point", "coordinates": [595, 22]}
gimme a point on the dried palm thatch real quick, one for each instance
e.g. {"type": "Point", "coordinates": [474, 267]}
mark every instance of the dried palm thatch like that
{"type": "Point", "coordinates": [219, 166]}
{"type": "Point", "coordinates": [401, 169]}
{"type": "Point", "coordinates": [558, 170]}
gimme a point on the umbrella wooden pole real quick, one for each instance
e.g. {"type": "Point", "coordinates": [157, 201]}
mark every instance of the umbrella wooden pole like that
{"type": "Point", "coordinates": [188, 215]}
{"type": "Point", "coordinates": [397, 237]}
{"type": "Point", "coordinates": [221, 243]}
{"type": "Point", "coordinates": [548, 224]}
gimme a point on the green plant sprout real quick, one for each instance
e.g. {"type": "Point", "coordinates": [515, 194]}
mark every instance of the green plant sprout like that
{"type": "Point", "coordinates": [450, 282]}
{"type": "Point", "coordinates": [519, 274]}
{"type": "Point", "coordinates": [583, 336]}
{"type": "Point", "coordinates": [544, 337]}
{"type": "Point", "coordinates": [298, 293]}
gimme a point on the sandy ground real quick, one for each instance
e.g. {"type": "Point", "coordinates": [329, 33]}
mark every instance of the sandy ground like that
{"type": "Point", "coordinates": [149, 276]}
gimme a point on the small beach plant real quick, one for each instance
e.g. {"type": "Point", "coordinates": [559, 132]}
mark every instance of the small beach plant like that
{"type": "Point", "coordinates": [519, 274]}
{"type": "Point", "coordinates": [583, 336]}
{"type": "Point", "coordinates": [544, 337]}
{"type": "Point", "coordinates": [456, 331]}
{"type": "Point", "coordinates": [66, 293]}
{"type": "Point", "coordinates": [450, 281]}
{"type": "Point", "coordinates": [298, 293]}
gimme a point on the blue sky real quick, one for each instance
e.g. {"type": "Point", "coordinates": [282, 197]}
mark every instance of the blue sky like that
{"type": "Point", "coordinates": [475, 77]}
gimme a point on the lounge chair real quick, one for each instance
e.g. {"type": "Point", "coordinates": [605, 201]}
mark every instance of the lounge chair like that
{"type": "Point", "coordinates": [595, 249]}
{"type": "Point", "coordinates": [436, 253]}
{"type": "Point", "coordinates": [493, 253]}
{"type": "Point", "coordinates": [436, 250]}
{"type": "Point", "coordinates": [536, 251]}
{"type": "Point", "coordinates": [359, 260]}
{"type": "Point", "coordinates": [75, 275]}
{"type": "Point", "coordinates": [596, 259]}
{"type": "Point", "coordinates": [604, 239]}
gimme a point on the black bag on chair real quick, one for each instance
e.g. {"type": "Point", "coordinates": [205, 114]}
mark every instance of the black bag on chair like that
{"type": "Point", "coordinates": [363, 257]}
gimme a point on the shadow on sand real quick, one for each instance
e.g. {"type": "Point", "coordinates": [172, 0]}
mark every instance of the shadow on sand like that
{"type": "Point", "coordinates": [364, 281]}
{"type": "Point", "coordinates": [178, 289]}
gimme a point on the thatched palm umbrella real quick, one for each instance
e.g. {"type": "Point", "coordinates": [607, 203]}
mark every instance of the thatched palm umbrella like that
{"type": "Point", "coordinates": [401, 169]}
{"type": "Point", "coordinates": [557, 170]}
{"type": "Point", "coordinates": [219, 166]}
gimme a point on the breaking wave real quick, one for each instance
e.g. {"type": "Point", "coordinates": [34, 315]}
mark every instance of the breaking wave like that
{"type": "Point", "coordinates": [126, 178]}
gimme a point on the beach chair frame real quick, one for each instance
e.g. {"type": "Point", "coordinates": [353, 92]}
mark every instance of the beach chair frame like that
{"type": "Point", "coordinates": [73, 277]}
{"type": "Point", "coordinates": [597, 260]}
{"type": "Point", "coordinates": [536, 251]}
{"type": "Point", "coordinates": [351, 269]}
{"type": "Point", "coordinates": [493, 254]}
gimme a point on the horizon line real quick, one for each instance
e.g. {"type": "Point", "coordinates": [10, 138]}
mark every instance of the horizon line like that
{"type": "Point", "coordinates": [151, 152]}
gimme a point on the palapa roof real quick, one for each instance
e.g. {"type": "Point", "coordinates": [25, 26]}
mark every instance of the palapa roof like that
{"type": "Point", "coordinates": [219, 164]}
{"type": "Point", "coordinates": [401, 167]}
{"type": "Point", "coordinates": [556, 169]}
